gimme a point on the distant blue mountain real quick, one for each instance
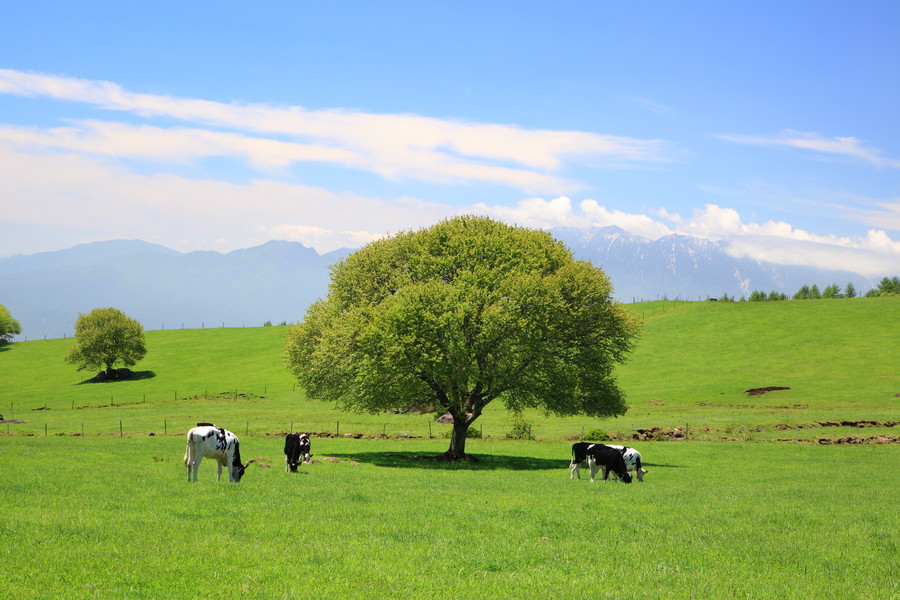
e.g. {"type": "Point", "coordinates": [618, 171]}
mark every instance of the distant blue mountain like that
{"type": "Point", "coordinates": [162, 288]}
{"type": "Point", "coordinates": [277, 281]}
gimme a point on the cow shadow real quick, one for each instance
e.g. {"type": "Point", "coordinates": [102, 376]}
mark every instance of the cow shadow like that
{"type": "Point", "coordinates": [480, 462]}
{"type": "Point", "coordinates": [648, 465]}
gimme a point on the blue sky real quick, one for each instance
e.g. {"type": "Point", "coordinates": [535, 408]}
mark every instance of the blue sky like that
{"type": "Point", "coordinates": [771, 127]}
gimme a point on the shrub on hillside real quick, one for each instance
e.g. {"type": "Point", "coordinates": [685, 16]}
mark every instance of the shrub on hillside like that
{"type": "Point", "coordinates": [521, 430]}
{"type": "Point", "coordinates": [597, 435]}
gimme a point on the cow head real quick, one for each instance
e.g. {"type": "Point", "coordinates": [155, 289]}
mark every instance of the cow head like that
{"type": "Point", "coordinates": [625, 476]}
{"type": "Point", "coordinates": [237, 470]}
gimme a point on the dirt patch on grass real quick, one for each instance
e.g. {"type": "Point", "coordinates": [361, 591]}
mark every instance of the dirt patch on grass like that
{"type": "Point", "coordinates": [765, 390]}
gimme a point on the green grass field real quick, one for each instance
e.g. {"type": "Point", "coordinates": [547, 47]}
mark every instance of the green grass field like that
{"type": "Point", "coordinates": [115, 518]}
{"type": "Point", "coordinates": [111, 515]}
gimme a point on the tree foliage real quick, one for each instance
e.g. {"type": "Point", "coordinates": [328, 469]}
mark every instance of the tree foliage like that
{"type": "Point", "coordinates": [889, 286]}
{"type": "Point", "coordinates": [453, 317]}
{"type": "Point", "coordinates": [104, 338]}
{"type": "Point", "coordinates": [8, 326]}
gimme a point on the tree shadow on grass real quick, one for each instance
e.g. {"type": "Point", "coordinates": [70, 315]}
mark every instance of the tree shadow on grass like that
{"type": "Point", "coordinates": [135, 376]}
{"type": "Point", "coordinates": [481, 462]}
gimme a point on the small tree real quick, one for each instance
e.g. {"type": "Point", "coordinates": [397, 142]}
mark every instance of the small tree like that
{"type": "Point", "coordinates": [105, 337]}
{"type": "Point", "coordinates": [802, 293]}
{"type": "Point", "coordinates": [850, 290]}
{"type": "Point", "coordinates": [8, 326]}
{"type": "Point", "coordinates": [814, 293]}
{"type": "Point", "coordinates": [456, 316]}
{"type": "Point", "coordinates": [832, 291]}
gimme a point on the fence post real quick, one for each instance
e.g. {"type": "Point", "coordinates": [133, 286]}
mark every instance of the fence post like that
{"type": "Point", "coordinates": [45, 430]}
{"type": "Point", "coordinates": [165, 427]}
{"type": "Point", "coordinates": [338, 428]}
{"type": "Point", "coordinates": [121, 434]}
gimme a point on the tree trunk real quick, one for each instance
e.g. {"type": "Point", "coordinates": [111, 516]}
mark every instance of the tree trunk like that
{"type": "Point", "coordinates": [458, 436]}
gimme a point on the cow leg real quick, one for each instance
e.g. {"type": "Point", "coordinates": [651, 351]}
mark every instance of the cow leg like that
{"type": "Point", "coordinates": [575, 469]}
{"type": "Point", "coordinates": [219, 472]}
{"type": "Point", "coordinates": [592, 464]}
{"type": "Point", "coordinates": [287, 464]}
{"type": "Point", "coordinates": [195, 466]}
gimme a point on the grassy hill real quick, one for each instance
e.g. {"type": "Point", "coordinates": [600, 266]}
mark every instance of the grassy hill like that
{"type": "Point", "coordinates": [692, 367]}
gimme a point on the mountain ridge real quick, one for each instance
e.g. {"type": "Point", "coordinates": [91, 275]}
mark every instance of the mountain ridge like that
{"type": "Point", "coordinates": [276, 281]}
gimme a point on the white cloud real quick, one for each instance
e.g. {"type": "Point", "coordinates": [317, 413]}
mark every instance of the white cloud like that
{"type": "Point", "coordinates": [88, 199]}
{"type": "Point", "coordinates": [119, 140]}
{"type": "Point", "coordinates": [874, 255]}
{"type": "Point", "coordinates": [777, 241]}
{"type": "Point", "coordinates": [850, 147]}
{"type": "Point", "coordinates": [392, 145]}
{"type": "Point", "coordinates": [559, 212]}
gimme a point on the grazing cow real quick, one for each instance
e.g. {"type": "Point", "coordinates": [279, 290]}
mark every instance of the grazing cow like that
{"type": "Point", "coordinates": [598, 455]}
{"type": "Point", "coordinates": [632, 461]}
{"type": "Point", "coordinates": [296, 451]}
{"type": "Point", "coordinates": [209, 441]}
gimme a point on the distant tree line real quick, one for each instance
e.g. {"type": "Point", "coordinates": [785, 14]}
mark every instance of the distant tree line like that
{"type": "Point", "coordinates": [889, 286]}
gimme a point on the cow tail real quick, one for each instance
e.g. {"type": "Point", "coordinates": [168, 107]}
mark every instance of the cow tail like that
{"type": "Point", "coordinates": [189, 450]}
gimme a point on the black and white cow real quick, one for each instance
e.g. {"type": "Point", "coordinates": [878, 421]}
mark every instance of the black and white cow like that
{"type": "Point", "coordinates": [209, 441]}
{"type": "Point", "coordinates": [632, 461]}
{"type": "Point", "coordinates": [296, 451]}
{"type": "Point", "coordinates": [598, 455]}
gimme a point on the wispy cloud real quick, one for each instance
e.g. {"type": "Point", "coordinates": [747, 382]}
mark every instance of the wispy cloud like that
{"type": "Point", "coordinates": [849, 147]}
{"type": "Point", "coordinates": [394, 146]}
{"type": "Point", "coordinates": [652, 106]}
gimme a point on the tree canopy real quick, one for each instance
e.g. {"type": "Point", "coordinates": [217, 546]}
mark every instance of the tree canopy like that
{"type": "Point", "coordinates": [455, 316]}
{"type": "Point", "coordinates": [104, 338]}
{"type": "Point", "coordinates": [8, 326]}
{"type": "Point", "coordinates": [889, 286]}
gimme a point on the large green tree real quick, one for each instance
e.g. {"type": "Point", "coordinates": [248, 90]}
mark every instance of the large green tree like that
{"type": "Point", "coordinates": [8, 326]}
{"type": "Point", "coordinates": [453, 317]}
{"type": "Point", "coordinates": [104, 338]}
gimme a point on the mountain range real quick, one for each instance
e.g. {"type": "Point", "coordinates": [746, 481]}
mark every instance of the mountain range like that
{"type": "Point", "coordinates": [277, 281]}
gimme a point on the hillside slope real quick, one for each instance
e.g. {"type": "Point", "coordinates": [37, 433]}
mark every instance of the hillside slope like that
{"type": "Point", "coordinates": [693, 364]}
